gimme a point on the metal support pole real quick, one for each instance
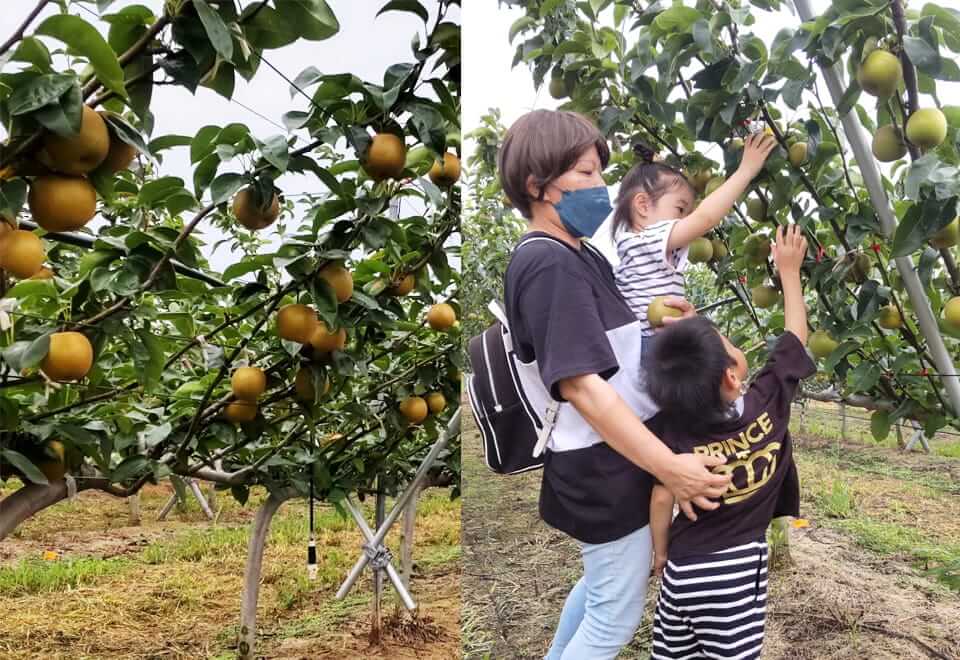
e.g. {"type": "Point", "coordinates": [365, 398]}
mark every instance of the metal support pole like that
{"type": "Point", "coordinates": [197, 493]}
{"type": "Point", "coordinates": [368, 534]}
{"type": "Point", "coordinates": [453, 429]}
{"type": "Point", "coordinates": [871, 177]}
{"type": "Point", "coordinates": [918, 436]}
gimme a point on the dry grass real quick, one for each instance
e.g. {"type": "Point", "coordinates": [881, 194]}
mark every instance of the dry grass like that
{"type": "Point", "coordinates": [837, 600]}
{"type": "Point", "coordinates": [172, 590]}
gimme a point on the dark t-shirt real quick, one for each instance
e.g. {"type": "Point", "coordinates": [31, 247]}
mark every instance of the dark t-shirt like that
{"type": "Point", "coordinates": [566, 313]}
{"type": "Point", "coordinates": [759, 456]}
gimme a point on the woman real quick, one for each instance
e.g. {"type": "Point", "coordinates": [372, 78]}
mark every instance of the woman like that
{"type": "Point", "coordinates": [566, 313]}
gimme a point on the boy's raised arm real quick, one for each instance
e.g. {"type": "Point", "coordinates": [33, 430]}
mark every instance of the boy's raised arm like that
{"type": "Point", "coordinates": [788, 253]}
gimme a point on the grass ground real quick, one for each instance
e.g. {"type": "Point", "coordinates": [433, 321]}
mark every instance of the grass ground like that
{"type": "Point", "coordinates": [862, 582]}
{"type": "Point", "coordinates": [172, 589]}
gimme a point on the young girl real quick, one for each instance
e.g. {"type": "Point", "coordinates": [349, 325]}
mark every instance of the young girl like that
{"type": "Point", "coordinates": [655, 220]}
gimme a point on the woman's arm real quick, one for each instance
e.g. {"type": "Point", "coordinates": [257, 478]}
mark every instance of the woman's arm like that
{"type": "Point", "coordinates": [685, 475]}
{"type": "Point", "coordinates": [717, 204]}
{"type": "Point", "coordinates": [661, 515]}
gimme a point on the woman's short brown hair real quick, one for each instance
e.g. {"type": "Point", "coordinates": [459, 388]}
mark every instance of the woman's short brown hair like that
{"type": "Point", "coordinates": [544, 144]}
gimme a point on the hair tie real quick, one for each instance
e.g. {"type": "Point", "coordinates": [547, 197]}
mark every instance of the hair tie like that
{"type": "Point", "coordinates": [645, 153]}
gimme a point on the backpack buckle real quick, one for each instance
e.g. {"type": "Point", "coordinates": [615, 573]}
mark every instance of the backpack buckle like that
{"type": "Point", "coordinates": [549, 421]}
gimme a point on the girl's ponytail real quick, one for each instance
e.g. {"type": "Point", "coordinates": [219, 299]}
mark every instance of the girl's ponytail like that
{"type": "Point", "coordinates": [647, 176]}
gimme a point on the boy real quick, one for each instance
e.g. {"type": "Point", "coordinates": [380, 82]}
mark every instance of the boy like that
{"type": "Point", "coordinates": [713, 595]}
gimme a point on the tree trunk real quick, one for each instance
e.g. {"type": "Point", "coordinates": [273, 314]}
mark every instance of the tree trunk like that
{"type": "Point", "coordinates": [212, 498]}
{"type": "Point", "coordinates": [843, 422]}
{"type": "Point", "coordinates": [180, 490]}
{"type": "Point", "coordinates": [246, 645]}
{"type": "Point", "coordinates": [133, 502]}
{"type": "Point", "coordinates": [377, 613]}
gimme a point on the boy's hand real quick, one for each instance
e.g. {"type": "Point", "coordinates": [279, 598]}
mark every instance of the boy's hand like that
{"type": "Point", "coordinates": [659, 561]}
{"type": "Point", "coordinates": [756, 148]}
{"type": "Point", "coordinates": [789, 249]}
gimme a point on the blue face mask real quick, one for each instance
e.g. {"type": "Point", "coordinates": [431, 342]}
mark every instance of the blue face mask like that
{"type": "Point", "coordinates": [583, 211]}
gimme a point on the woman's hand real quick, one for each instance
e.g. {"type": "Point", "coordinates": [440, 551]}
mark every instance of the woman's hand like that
{"type": "Point", "coordinates": [756, 149]}
{"type": "Point", "coordinates": [689, 479]}
{"type": "Point", "coordinates": [659, 561]}
{"type": "Point", "coordinates": [682, 304]}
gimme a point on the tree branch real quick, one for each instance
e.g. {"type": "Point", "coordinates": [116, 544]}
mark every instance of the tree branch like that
{"type": "Point", "coordinates": [18, 35]}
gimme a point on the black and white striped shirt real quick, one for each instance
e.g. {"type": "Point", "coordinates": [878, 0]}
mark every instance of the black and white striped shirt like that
{"type": "Point", "coordinates": [646, 271]}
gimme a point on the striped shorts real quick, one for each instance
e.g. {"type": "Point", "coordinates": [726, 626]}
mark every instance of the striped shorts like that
{"type": "Point", "coordinates": [713, 606]}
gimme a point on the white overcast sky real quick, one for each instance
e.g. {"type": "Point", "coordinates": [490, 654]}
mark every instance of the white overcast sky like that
{"type": "Point", "coordinates": [489, 82]}
{"type": "Point", "coordinates": [365, 46]}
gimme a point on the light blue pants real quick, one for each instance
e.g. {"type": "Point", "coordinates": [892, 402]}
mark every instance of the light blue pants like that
{"type": "Point", "coordinates": [605, 608]}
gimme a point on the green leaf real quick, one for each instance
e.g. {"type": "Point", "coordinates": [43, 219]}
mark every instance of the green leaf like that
{"type": "Point", "coordinates": [31, 288]}
{"type": "Point", "coordinates": [677, 19]}
{"type": "Point", "coordinates": [248, 265]}
{"type": "Point", "coordinates": [129, 467]}
{"type": "Point", "coordinates": [919, 173]}
{"type": "Point", "coordinates": [149, 361]}
{"type": "Point", "coordinates": [126, 132]}
{"type": "Point", "coordinates": [880, 425]}
{"type": "Point", "coordinates": [267, 29]}
{"type": "Point", "coordinates": [168, 142]}
{"type": "Point", "coordinates": [127, 25]}
{"type": "Point", "coordinates": [86, 40]}
{"type": "Point", "coordinates": [33, 50]}
{"type": "Point", "coordinates": [13, 194]}
{"type": "Point", "coordinates": [313, 18]}
{"type": "Point", "coordinates": [141, 92]}
{"type": "Point", "coordinates": [922, 54]}
{"type": "Point", "coordinates": [65, 116]}
{"type": "Point", "coordinates": [864, 377]}
{"type": "Point", "coordinates": [919, 223]}
{"type": "Point", "coordinates": [153, 193]}
{"type": "Point", "coordinates": [40, 91]}
{"type": "Point", "coordinates": [702, 36]}
{"type": "Point", "coordinates": [276, 152]}
{"type": "Point", "coordinates": [216, 29]}
{"type": "Point", "coordinates": [406, 5]}
{"type": "Point", "coordinates": [155, 435]}
{"type": "Point", "coordinates": [240, 493]}
{"type": "Point", "coordinates": [36, 351]}
{"type": "Point", "coordinates": [519, 26]}
{"type": "Point", "coordinates": [225, 185]}
{"type": "Point", "coordinates": [26, 467]}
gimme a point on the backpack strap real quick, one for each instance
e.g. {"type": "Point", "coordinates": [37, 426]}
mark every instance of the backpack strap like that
{"type": "Point", "coordinates": [549, 421]}
{"type": "Point", "coordinates": [498, 313]}
{"type": "Point", "coordinates": [550, 415]}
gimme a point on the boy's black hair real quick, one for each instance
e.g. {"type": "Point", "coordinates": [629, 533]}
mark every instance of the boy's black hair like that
{"type": "Point", "coordinates": [648, 176]}
{"type": "Point", "coordinates": [685, 372]}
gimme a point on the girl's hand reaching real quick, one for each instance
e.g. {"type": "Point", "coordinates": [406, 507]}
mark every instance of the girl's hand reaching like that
{"type": "Point", "coordinates": [756, 149]}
